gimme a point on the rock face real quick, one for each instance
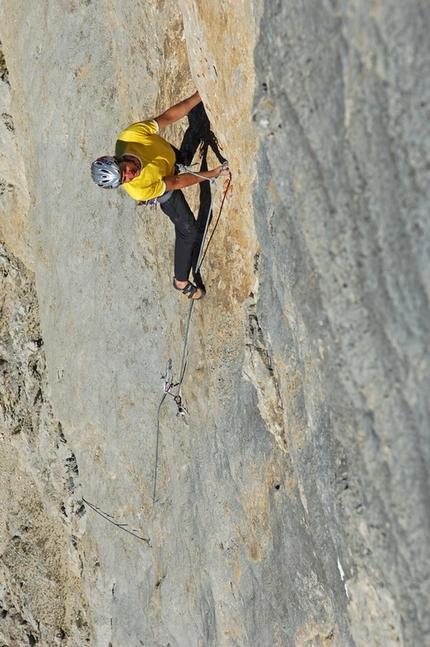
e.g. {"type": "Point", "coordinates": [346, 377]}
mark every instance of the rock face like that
{"type": "Point", "coordinates": [41, 595]}
{"type": "Point", "coordinates": [292, 509]}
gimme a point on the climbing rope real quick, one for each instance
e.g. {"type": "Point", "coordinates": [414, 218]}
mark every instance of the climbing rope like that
{"type": "Point", "coordinates": [121, 526]}
{"type": "Point", "coordinates": [168, 386]}
{"type": "Point", "coordinates": [202, 254]}
{"type": "Point", "coordinates": [199, 259]}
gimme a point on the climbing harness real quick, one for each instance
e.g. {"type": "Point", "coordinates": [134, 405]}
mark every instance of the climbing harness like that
{"type": "Point", "coordinates": [167, 377]}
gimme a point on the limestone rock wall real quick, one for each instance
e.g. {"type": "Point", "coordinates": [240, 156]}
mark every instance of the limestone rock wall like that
{"type": "Point", "coordinates": [14, 198]}
{"type": "Point", "coordinates": [291, 510]}
{"type": "Point", "coordinates": [42, 600]}
{"type": "Point", "coordinates": [345, 255]}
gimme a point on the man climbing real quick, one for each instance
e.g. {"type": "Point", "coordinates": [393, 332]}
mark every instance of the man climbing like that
{"type": "Point", "coordinates": [144, 164]}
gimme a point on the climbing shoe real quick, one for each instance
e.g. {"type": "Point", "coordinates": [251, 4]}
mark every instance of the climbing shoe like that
{"type": "Point", "coordinates": [190, 290]}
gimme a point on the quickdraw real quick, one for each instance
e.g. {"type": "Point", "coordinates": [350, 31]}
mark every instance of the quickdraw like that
{"type": "Point", "coordinates": [153, 203]}
{"type": "Point", "coordinates": [167, 388]}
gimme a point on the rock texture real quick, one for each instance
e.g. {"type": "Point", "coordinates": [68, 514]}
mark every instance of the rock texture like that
{"type": "Point", "coordinates": [348, 231]}
{"type": "Point", "coordinates": [292, 510]}
{"type": "Point", "coordinates": [41, 595]}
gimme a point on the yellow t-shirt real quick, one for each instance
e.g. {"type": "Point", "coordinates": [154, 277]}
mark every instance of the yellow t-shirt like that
{"type": "Point", "coordinates": [156, 155]}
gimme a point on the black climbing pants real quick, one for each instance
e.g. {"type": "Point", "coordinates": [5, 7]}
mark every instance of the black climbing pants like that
{"type": "Point", "coordinates": [187, 233]}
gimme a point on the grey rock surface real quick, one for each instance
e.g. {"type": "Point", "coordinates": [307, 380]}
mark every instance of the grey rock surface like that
{"type": "Point", "coordinates": [345, 254]}
{"type": "Point", "coordinates": [292, 509]}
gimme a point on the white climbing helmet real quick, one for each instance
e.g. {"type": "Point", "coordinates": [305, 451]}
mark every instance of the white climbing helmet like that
{"type": "Point", "coordinates": [105, 172]}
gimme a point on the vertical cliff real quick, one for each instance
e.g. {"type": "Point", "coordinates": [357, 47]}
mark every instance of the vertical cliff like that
{"type": "Point", "coordinates": [292, 508]}
{"type": "Point", "coordinates": [348, 234]}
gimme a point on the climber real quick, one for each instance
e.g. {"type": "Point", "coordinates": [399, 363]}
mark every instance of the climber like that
{"type": "Point", "coordinates": [144, 164]}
